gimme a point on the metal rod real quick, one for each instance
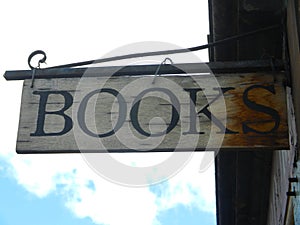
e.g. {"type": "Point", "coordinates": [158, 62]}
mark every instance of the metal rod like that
{"type": "Point", "coordinates": [215, 67]}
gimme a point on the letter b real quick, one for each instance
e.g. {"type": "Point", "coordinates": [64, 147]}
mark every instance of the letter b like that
{"type": "Point", "coordinates": [42, 112]}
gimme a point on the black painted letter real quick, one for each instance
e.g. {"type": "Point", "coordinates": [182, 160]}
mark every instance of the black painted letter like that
{"type": "Point", "coordinates": [82, 109]}
{"type": "Point", "coordinates": [193, 114]}
{"type": "Point", "coordinates": [135, 108]}
{"type": "Point", "coordinates": [213, 118]}
{"type": "Point", "coordinates": [42, 113]}
{"type": "Point", "coordinates": [260, 108]}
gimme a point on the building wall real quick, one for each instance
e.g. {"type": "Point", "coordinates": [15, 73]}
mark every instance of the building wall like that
{"type": "Point", "coordinates": [259, 181]}
{"type": "Point", "coordinates": [296, 200]}
{"type": "Point", "coordinates": [279, 186]}
{"type": "Point", "coordinates": [283, 209]}
{"type": "Point", "coordinates": [293, 28]}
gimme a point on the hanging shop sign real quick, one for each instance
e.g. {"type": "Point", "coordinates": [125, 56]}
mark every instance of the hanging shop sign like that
{"type": "Point", "coordinates": [152, 113]}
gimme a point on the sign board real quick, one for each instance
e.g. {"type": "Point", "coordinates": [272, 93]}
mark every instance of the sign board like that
{"type": "Point", "coordinates": [129, 114]}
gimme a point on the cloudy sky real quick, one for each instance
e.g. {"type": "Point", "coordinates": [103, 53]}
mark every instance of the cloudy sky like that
{"type": "Point", "coordinates": [62, 189]}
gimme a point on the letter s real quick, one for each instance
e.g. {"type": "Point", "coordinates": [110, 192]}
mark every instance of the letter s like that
{"type": "Point", "coordinates": [260, 108]}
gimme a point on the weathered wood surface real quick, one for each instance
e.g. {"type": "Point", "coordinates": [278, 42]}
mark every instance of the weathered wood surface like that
{"type": "Point", "coordinates": [254, 107]}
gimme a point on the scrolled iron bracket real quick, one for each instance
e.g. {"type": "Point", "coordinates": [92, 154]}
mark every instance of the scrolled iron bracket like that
{"type": "Point", "coordinates": [42, 60]}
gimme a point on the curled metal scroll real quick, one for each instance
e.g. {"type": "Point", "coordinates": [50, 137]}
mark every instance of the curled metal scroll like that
{"type": "Point", "coordinates": [37, 52]}
{"type": "Point", "coordinates": [42, 60]}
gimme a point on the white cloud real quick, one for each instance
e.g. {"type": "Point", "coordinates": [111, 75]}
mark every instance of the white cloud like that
{"type": "Point", "coordinates": [114, 205]}
{"type": "Point", "coordinates": [191, 188]}
{"type": "Point", "coordinates": [88, 195]}
{"type": "Point", "coordinates": [68, 175]}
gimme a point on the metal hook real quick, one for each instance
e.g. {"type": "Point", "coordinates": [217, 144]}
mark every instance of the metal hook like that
{"type": "Point", "coordinates": [158, 68]}
{"type": "Point", "coordinates": [43, 60]}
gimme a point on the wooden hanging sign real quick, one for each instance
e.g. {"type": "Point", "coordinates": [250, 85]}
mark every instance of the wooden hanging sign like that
{"type": "Point", "coordinates": [154, 113]}
{"type": "Point", "coordinates": [127, 109]}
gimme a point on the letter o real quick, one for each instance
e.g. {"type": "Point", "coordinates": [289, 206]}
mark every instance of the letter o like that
{"type": "Point", "coordinates": [135, 108]}
{"type": "Point", "coordinates": [82, 112]}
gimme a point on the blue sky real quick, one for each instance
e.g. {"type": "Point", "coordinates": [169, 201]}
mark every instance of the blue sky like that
{"type": "Point", "coordinates": [21, 206]}
{"type": "Point", "coordinates": [63, 190]}
{"type": "Point", "coordinates": [184, 215]}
